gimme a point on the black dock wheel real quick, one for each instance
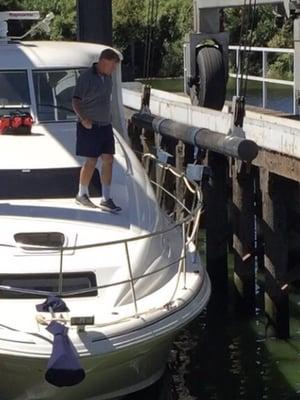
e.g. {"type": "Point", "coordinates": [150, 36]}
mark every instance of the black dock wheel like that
{"type": "Point", "coordinates": [209, 90]}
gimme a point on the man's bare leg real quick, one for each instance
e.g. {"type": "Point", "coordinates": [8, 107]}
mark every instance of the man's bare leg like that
{"type": "Point", "coordinates": [106, 177]}
{"type": "Point", "coordinates": [85, 177]}
{"type": "Point", "coordinates": [87, 171]}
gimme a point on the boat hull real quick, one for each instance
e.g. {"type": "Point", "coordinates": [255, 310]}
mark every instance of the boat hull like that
{"type": "Point", "coordinates": [107, 376]}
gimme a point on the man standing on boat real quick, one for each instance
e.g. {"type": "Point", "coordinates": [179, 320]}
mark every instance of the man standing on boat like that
{"type": "Point", "coordinates": [92, 104]}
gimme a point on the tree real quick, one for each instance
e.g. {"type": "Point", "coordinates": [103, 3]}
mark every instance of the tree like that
{"type": "Point", "coordinates": [155, 45]}
{"type": "Point", "coordinates": [62, 27]}
{"type": "Point", "coordinates": [161, 37]}
{"type": "Point", "coordinates": [10, 5]}
{"type": "Point", "coordinates": [129, 26]}
{"type": "Point", "coordinates": [265, 33]}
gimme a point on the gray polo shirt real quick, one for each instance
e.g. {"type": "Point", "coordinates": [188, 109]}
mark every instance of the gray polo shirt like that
{"type": "Point", "coordinates": [94, 90]}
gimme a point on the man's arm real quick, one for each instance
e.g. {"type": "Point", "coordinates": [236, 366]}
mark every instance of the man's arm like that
{"type": "Point", "coordinates": [76, 104]}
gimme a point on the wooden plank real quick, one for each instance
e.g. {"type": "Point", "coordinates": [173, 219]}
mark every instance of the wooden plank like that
{"type": "Point", "coordinates": [215, 193]}
{"type": "Point", "coordinates": [276, 253]}
{"type": "Point", "coordinates": [280, 164]}
{"type": "Point", "coordinates": [243, 214]}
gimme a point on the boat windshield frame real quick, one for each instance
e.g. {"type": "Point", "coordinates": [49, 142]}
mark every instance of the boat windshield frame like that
{"type": "Point", "coordinates": [53, 93]}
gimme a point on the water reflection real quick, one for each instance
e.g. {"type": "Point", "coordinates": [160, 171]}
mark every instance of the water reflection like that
{"type": "Point", "coordinates": [223, 355]}
{"type": "Point", "coordinates": [278, 97]}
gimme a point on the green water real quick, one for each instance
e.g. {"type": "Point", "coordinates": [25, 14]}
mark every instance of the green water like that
{"type": "Point", "coordinates": [223, 355]}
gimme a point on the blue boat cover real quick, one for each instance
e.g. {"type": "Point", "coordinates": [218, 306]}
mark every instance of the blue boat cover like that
{"type": "Point", "coordinates": [63, 367]}
{"type": "Point", "coordinates": [57, 305]}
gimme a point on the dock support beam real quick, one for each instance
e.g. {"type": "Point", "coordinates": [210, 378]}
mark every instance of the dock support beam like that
{"type": "Point", "coordinates": [243, 215]}
{"type": "Point", "coordinates": [215, 199]}
{"type": "Point", "coordinates": [276, 253]}
{"type": "Point", "coordinates": [94, 21]}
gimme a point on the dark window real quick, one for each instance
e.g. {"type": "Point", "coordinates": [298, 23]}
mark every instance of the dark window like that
{"type": "Point", "coordinates": [47, 283]}
{"type": "Point", "coordinates": [14, 89]}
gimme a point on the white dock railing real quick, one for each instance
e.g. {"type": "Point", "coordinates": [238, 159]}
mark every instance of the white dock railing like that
{"type": "Point", "coordinates": [264, 76]}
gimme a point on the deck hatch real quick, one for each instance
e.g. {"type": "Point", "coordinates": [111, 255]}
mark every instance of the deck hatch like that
{"type": "Point", "coordinates": [49, 183]}
{"type": "Point", "coordinates": [72, 282]}
{"type": "Point", "coordinates": [28, 240]}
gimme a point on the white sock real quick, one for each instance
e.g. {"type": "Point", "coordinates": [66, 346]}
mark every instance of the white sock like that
{"type": "Point", "coordinates": [83, 189]}
{"type": "Point", "coordinates": [105, 192]}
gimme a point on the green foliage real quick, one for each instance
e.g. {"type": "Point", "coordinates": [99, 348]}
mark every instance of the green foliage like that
{"type": "Point", "coordinates": [281, 67]}
{"type": "Point", "coordinates": [129, 21]}
{"type": "Point", "coordinates": [132, 30]}
{"type": "Point", "coordinates": [283, 37]}
{"type": "Point", "coordinates": [63, 25]}
{"type": "Point", "coordinates": [10, 5]}
{"type": "Point", "coordinates": [265, 34]}
{"type": "Point", "coordinates": [236, 21]}
{"type": "Point", "coordinates": [172, 19]}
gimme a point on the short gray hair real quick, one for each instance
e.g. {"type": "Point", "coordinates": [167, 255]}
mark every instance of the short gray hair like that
{"type": "Point", "coordinates": [109, 54]}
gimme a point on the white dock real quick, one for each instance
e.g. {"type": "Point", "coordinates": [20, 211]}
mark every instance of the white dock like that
{"type": "Point", "coordinates": [277, 137]}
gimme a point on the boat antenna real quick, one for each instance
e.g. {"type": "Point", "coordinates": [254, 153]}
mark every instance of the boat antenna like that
{"type": "Point", "coordinates": [23, 15]}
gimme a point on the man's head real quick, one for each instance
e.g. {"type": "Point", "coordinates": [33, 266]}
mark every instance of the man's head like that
{"type": "Point", "coordinates": [108, 62]}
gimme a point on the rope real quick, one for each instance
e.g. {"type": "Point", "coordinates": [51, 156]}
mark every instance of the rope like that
{"type": "Point", "coordinates": [253, 11]}
{"type": "Point", "coordinates": [247, 24]}
{"type": "Point", "coordinates": [240, 66]}
{"type": "Point", "coordinates": [152, 15]}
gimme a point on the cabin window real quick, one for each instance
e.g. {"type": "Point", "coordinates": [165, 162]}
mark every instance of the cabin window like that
{"type": "Point", "coordinates": [14, 91]}
{"type": "Point", "coordinates": [53, 92]}
{"type": "Point", "coordinates": [48, 283]}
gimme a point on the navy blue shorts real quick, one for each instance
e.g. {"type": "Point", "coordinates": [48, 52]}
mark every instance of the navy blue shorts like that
{"type": "Point", "coordinates": [95, 141]}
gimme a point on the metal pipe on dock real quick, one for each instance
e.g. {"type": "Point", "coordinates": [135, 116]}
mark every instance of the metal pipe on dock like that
{"type": "Point", "coordinates": [233, 146]}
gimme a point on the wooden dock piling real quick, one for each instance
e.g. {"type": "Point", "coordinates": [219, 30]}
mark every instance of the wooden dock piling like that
{"type": "Point", "coordinates": [215, 201]}
{"type": "Point", "coordinates": [243, 216]}
{"type": "Point", "coordinates": [276, 253]}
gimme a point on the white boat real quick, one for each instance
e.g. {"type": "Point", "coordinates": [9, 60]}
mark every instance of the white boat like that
{"type": "Point", "coordinates": [130, 281]}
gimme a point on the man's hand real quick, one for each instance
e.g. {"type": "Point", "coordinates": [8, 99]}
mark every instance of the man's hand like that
{"type": "Point", "coordinates": [76, 104]}
{"type": "Point", "coordinates": [87, 123]}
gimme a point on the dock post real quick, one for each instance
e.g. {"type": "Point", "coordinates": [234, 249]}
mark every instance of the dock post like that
{"type": "Point", "coordinates": [94, 21]}
{"type": "Point", "coordinates": [134, 134]}
{"type": "Point", "coordinates": [216, 221]}
{"type": "Point", "coordinates": [243, 215]}
{"type": "Point", "coordinates": [258, 222]}
{"type": "Point", "coordinates": [147, 137]}
{"type": "Point", "coordinates": [276, 253]}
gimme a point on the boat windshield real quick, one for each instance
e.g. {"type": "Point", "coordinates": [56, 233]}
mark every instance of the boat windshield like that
{"type": "Point", "coordinates": [53, 93]}
{"type": "Point", "coordinates": [14, 91]}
